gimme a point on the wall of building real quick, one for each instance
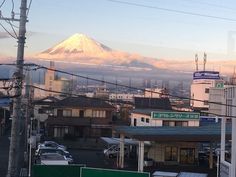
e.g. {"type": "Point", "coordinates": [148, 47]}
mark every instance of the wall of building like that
{"type": "Point", "coordinates": [200, 91]}
{"type": "Point", "coordinates": [145, 120]}
{"type": "Point", "coordinates": [157, 150]}
{"type": "Point", "coordinates": [215, 95]}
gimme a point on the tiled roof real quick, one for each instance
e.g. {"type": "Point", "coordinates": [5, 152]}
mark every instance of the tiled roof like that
{"type": "Point", "coordinates": [83, 102]}
{"type": "Point", "coordinates": [154, 103]}
{"type": "Point", "coordinates": [46, 101]}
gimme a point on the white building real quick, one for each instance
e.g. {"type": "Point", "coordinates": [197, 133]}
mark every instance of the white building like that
{"type": "Point", "coordinates": [215, 96]}
{"type": "Point", "coordinates": [153, 93]}
{"type": "Point", "coordinates": [202, 82]}
{"type": "Point", "coordinates": [151, 117]}
{"type": "Point", "coordinates": [228, 109]}
{"type": "Point", "coordinates": [123, 96]}
{"type": "Point", "coordinates": [56, 84]}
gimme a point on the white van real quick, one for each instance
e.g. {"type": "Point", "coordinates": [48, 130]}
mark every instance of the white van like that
{"type": "Point", "coordinates": [164, 174]}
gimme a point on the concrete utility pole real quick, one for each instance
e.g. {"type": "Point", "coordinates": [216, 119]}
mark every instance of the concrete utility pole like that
{"type": "Point", "coordinates": [14, 148]}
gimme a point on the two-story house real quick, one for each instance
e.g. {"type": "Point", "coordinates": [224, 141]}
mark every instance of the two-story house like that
{"type": "Point", "coordinates": [81, 117]}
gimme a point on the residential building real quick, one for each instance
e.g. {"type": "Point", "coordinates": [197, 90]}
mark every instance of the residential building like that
{"type": "Point", "coordinates": [228, 166]}
{"type": "Point", "coordinates": [80, 117]}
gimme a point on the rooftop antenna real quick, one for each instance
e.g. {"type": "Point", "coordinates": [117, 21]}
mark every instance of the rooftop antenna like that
{"type": "Point", "coordinates": [196, 61]}
{"type": "Point", "coordinates": [204, 61]}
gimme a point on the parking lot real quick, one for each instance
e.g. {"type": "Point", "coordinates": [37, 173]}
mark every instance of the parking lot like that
{"type": "Point", "coordinates": [91, 154]}
{"type": "Point", "coordinates": [96, 158]}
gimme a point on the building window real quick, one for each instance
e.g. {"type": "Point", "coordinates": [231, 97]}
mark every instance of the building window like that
{"type": "Point", "coordinates": [175, 123]}
{"type": "Point", "coordinates": [172, 123]}
{"type": "Point", "coordinates": [67, 112]}
{"type": "Point", "coordinates": [206, 90]}
{"type": "Point", "coordinates": [142, 119]}
{"type": "Point", "coordinates": [171, 153]}
{"type": "Point", "coordinates": [60, 113]}
{"type": "Point", "coordinates": [101, 114]}
{"type": "Point", "coordinates": [165, 123]}
{"type": "Point", "coordinates": [147, 120]}
{"type": "Point", "coordinates": [178, 123]}
{"type": "Point", "coordinates": [81, 113]}
{"type": "Point", "coordinates": [135, 122]}
{"type": "Point", "coordinates": [181, 123]}
{"type": "Point", "coordinates": [60, 131]}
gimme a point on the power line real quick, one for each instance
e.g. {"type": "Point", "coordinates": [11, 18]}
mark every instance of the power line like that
{"type": "Point", "coordinates": [29, 8]}
{"type": "Point", "coordinates": [211, 4]}
{"type": "Point", "coordinates": [2, 3]}
{"type": "Point", "coordinates": [13, 6]}
{"type": "Point", "coordinates": [115, 101]}
{"type": "Point", "coordinates": [76, 95]}
{"type": "Point", "coordinates": [126, 86]}
{"type": "Point", "coordinates": [15, 37]}
{"type": "Point", "coordinates": [173, 10]}
{"type": "Point", "coordinates": [117, 84]}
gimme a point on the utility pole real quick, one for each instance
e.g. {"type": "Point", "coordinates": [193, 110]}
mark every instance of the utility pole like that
{"type": "Point", "coordinates": [14, 148]}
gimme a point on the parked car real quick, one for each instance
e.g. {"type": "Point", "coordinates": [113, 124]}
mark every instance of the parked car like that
{"type": "Point", "coordinates": [52, 144]}
{"type": "Point", "coordinates": [53, 159]}
{"type": "Point", "coordinates": [164, 174]}
{"type": "Point", "coordinates": [43, 150]}
{"type": "Point", "coordinates": [188, 174]}
{"type": "Point", "coordinates": [114, 151]}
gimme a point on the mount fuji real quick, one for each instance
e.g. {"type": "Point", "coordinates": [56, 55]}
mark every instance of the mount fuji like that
{"type": "Point", "coordinates": [80, 48]}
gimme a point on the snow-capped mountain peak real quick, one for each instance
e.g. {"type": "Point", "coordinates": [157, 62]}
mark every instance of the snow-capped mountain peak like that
{"type": "Point", "coordinates": [82, 49]}
{"type": "Point", "coordinates": [77, 44]}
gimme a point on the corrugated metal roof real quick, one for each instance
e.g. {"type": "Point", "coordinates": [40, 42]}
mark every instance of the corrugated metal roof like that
{"type": "Point", "coordinates": [203, 133]}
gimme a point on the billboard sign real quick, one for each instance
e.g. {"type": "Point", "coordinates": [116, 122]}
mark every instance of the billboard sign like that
{"type": "Point", "coordinates": [176, 115]}
{"type": "Point", "coordinates": [206, 75]}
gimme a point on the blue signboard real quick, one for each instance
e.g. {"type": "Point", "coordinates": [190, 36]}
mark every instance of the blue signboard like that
{"type": "Point", "coordinates": [206, 75]}
{"type": "Point", "coordinates": [208, 119]}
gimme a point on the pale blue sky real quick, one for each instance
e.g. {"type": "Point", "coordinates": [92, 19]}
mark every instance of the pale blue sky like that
{"type": "Point", "coordinates": [147, 31]}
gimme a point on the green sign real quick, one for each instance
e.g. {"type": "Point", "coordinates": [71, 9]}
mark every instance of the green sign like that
{"type": "Point", "coordinates": [175, 115]}
{"type": "Point", "coordinates": [219, 85]}
{"type": "Point", "coordinates": [99, 172]}
{"type": "Point", "coordinates": [57, 170]}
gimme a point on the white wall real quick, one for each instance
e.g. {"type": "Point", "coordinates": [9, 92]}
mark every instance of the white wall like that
{"type": "Point", "coordinates": [198, 88]}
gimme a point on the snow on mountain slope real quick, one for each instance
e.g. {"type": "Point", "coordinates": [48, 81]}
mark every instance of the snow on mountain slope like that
{"type": "Point", "coordinates": [80, 48]}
